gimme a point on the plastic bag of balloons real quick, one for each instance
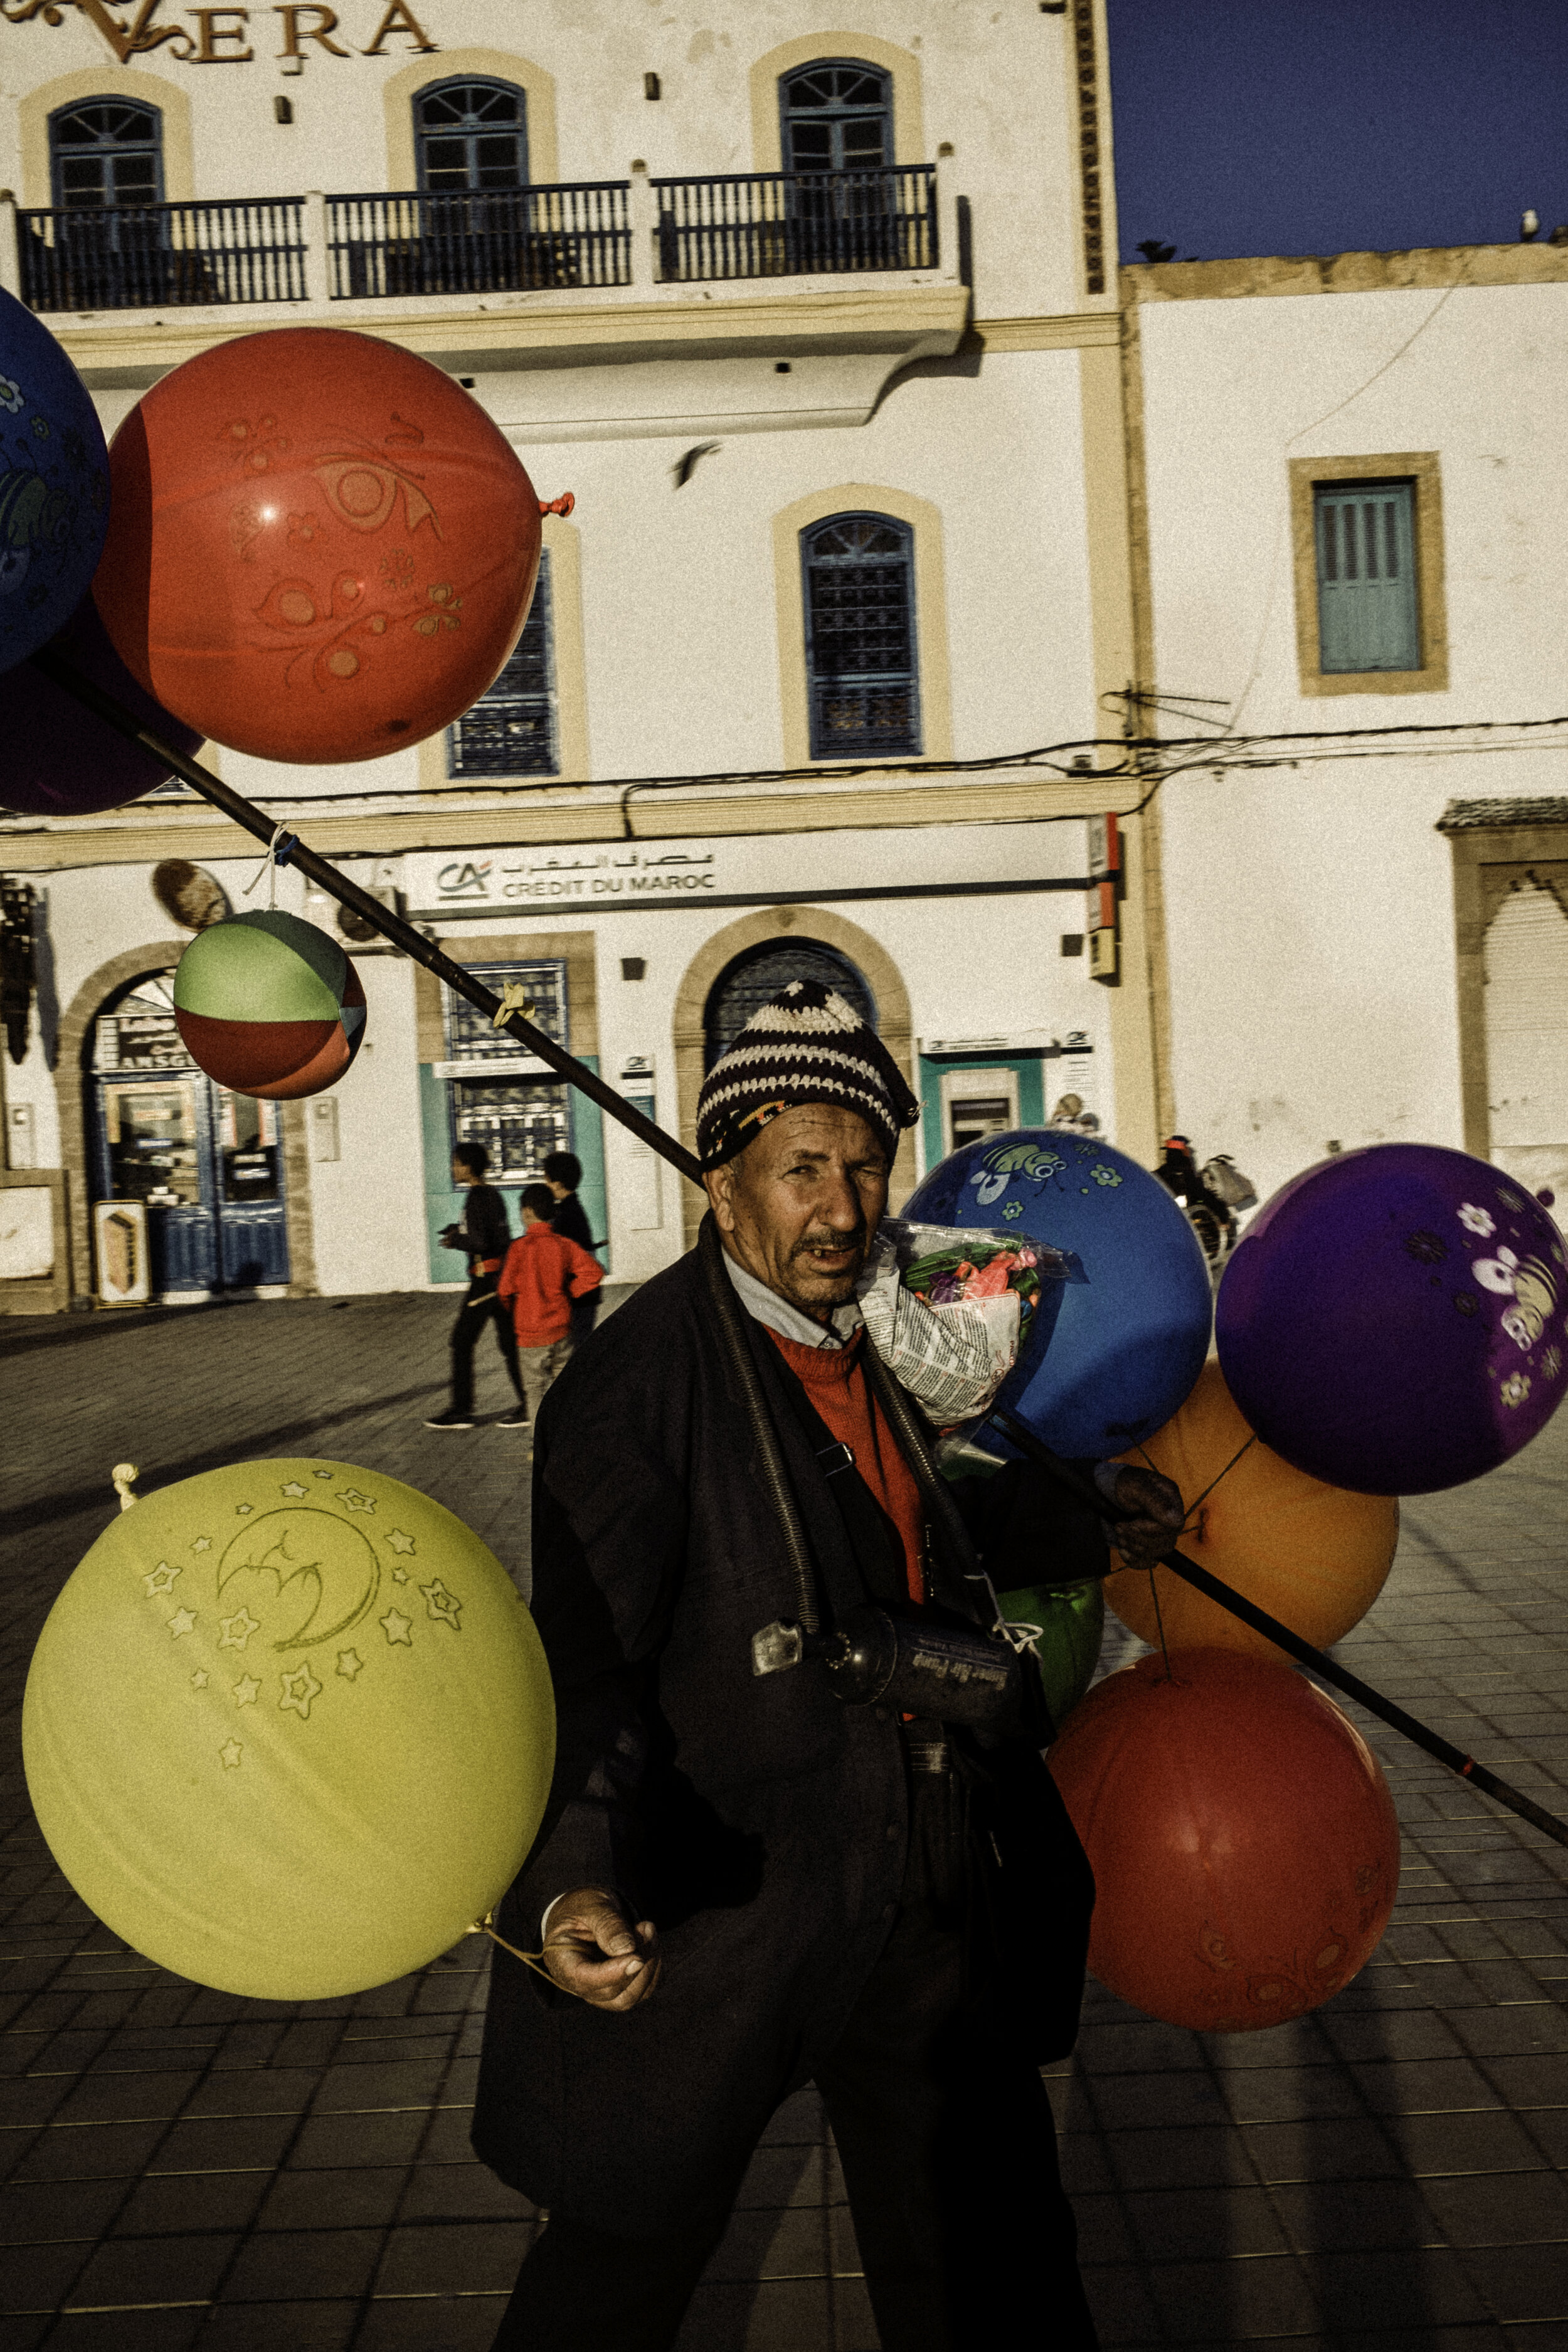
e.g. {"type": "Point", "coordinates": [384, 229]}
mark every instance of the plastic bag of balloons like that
{"type": "Point", "coordinates": [321, 549]}
{"type": "Point", "coordinates": [54, 485]}
{"type": "Point", "coordinates": [289, 1729]}
{"type": "Point", "coordinates": [1396, 1320]}
{"type": "Point", "coordinates": [1113, 1349]}
{"type": "Point", "coordinates": [1244, 1844]}
{"type": "Point", "coordinates": [269, 1005]}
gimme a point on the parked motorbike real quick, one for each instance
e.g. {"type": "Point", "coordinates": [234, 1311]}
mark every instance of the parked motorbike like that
{"type": "Point", "coordinates": [1213, 1196]}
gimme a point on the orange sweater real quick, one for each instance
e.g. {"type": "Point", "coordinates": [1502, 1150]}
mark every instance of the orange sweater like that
{"type": "Point", "coordinates": [543, 1274]}
{"type": "Point", "coordinates": [834, 1379]}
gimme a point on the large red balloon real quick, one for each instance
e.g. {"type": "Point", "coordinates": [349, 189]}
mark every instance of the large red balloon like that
{"type": "Point", "coordinates": [319, 547]}
{"type": "Point", "coordinates": [1245, 1846]}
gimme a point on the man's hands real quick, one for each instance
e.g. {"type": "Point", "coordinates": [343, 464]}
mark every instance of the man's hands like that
{"type": "Point", "coordinates": [592, 1949]}
{"type": "Point", "coordinates": [1148, 1538]}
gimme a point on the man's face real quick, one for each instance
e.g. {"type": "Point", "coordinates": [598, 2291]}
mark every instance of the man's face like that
{"type": "Point", "coordinates": [799, 1206]}
{"type": "Point", "coordinates": [462, 1173]}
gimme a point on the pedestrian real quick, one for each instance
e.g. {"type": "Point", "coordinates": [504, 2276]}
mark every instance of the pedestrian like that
{"type": "Point", "coordinates": [486, 1235]}
{"type": "Point", "coordinates": [745, 1883]}
{"type": "Point", "coordinates": [544, 1274]}
{"type": "Point", "coordinates": [563, 1171]}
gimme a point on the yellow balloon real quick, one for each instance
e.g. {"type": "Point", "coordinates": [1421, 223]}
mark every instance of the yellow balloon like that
{"type": "Point", "coordinates": [289, 1729]}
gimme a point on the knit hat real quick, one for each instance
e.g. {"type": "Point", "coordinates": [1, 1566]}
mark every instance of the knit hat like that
{"type": "Point", "coordinates": [807, 1044]}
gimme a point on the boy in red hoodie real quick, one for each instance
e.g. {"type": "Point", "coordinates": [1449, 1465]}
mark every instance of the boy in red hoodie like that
{"type": "Point", "coordinates": [543, 1274]}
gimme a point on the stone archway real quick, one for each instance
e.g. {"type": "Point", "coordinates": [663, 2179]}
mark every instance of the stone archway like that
{"type": "Point", "coordinates": [111, 978]}
{"type": "Point", "coordinates": [882, 976]}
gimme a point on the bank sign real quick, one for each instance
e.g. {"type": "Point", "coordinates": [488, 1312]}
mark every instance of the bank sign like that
{"type": "Point", "coordinates": [228, 35]}
{"type": "Point", "coordinates": [619, 876]}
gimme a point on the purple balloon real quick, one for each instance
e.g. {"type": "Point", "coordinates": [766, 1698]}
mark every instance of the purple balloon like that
{"type": "Point", "coordinates": [1395, 1320]}
{"type": "Point", "coordinates": [59, 758]}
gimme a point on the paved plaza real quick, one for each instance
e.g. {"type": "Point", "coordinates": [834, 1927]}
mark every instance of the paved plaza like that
{"type": "Point", "coordinates": [183, 2168]}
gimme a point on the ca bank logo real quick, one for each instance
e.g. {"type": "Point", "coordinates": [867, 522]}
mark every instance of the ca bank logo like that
{"type": "Point", "coordinates": [464, 879]}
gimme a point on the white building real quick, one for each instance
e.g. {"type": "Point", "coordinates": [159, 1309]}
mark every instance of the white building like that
{"type": "Point", "coordinates": [885, 481]}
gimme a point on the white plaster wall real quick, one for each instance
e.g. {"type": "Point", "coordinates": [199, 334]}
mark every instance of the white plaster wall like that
{"type": "Point", "coordinates": [368, 1205]}
{"type": "Point", "coordinates": [996, 84]}
{"type": "Point", "coordinates": [1309, 909]}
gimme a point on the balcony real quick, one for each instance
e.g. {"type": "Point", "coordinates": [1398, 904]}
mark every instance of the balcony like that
{"type": "Point", "coordinates": [804, 290]}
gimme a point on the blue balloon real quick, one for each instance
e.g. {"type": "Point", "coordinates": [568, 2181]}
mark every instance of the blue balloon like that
{"type": "Point", "coordinates": [1113, 1353]}
{"type": "Point", "coordinates": [54, 485]}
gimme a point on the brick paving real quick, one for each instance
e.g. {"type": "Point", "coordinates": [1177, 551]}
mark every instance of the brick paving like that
{"type": "Point", "coordinates": [179, 2167]}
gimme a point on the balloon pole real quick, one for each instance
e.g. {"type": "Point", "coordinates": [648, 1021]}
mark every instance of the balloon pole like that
{"type": "Point", "coordinates": [291, 851]}
{"type": "Point", "coordinates": [1478, 1777]}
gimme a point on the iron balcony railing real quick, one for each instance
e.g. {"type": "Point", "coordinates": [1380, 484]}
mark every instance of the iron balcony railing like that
{"type": "Point", "coordinates": [513, 241]}
{"type": "Point", "coordinates": [578, 235]}
{"type": "Point", "coordinates": [157, 256]}
{"type": "Point", "coordinates": [797, 224]}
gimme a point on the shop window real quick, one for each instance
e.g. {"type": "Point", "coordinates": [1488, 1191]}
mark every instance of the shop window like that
{"type": "Point", "coordinates": [471, 137]}
{"type": "Point", "coordinates": [512, 730]}
{"type": "Point", "coordinates": [748, 984]}
{"type": "Point", "coordinates": [838, 116]}
{"type": "Point", "coordinates": [494, 1096]}
{"type": "Point", "coordinates": [106, 151]}
{"type": "Point", "coordinates": [1368, 612]}
{"type": "Point", "coordinates": [861, 666]}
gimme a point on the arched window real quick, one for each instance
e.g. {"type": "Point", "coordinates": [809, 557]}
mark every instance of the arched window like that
{"type": "Point", "coordinates": [744, 986]}
{"type": "Point", "coordinates": [106, 151]}
{"type": "Point", "coordinates": [471, 136]}
{"type": "Point", "coordinates": [838, 116]}
{"type": "Point", "coordinates": [862, 673]}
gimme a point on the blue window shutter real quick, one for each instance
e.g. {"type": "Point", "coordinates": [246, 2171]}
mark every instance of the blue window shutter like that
{"type": "Point", "coordinates": [1369, 613]}
{"type": "Point", "coordinates": [511, 729]}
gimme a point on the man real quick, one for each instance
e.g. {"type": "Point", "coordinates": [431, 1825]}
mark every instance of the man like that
{"type": "Point", "coordinates": [486, 1237]}
{"type": "Point", "coordinates": [563, 1173]}
{"type": "Point", "coordinates": [742, 1884]}
{"type": "Point", "coordinates": [545, 1279]}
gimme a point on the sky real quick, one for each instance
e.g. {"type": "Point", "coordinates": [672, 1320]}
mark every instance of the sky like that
{"type": "Point", "coordinates": [1328, 126]}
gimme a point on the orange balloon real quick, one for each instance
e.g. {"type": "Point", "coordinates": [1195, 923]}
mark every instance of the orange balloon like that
{"type": "Point", "coordinates": [1244, 1844]}
{"type": "Point", "coordinates": [1315, 1557]}
{"type": "Point", "coordinates": [319, 547]}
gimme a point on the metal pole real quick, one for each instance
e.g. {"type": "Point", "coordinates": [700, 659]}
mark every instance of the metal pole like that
{"type": "Point", "coordinates": [320, 871]}
{"type": "Point", "coordinates": [1087, 1492]}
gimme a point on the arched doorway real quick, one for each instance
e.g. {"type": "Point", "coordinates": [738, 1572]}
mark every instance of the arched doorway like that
{"type": "Point", "coordinates": [202, 1167]}
{"type": "Point", "coordinates": [749, 981]}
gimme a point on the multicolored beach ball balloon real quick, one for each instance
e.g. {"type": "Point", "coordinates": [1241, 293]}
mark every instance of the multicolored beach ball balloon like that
{"type": "Point", "coordinates": [54, 485]}
{"type": "Point", "coordinates": [289, 1729]}
{"type": "Point", "coordinates": [1396, 1320]}
{"type": "Point", "coordinates": [1112, 1351]}
{"type": "Point", "coordinates": [269, 1005]}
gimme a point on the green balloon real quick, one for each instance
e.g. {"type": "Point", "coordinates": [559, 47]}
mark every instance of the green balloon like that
{"type": "Point", "coordinates": [267, 966]}
{"type": "Point", "coordinates": [1071, 1619]}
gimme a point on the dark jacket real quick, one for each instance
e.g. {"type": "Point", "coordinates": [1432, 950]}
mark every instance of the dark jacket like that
{"type": "Point", "coordinates": [484, 1231]}
{"type": "Point", "coordinates": [569, 1217]}
{"type": "Point", "coordinates": [760, 1822]}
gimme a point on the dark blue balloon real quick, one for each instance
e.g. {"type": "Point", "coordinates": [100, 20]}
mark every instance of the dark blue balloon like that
{"type": "Point", "coordinates": [1128, 1337]}
{"type": "Point", "coordinates": [54, 485]}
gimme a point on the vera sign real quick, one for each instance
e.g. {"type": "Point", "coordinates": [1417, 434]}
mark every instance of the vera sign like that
{"type": "Point", "coordinates": [223, 35]}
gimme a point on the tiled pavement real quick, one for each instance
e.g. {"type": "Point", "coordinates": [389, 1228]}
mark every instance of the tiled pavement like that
{"type": "Point", "coordinates": [182, 2168]}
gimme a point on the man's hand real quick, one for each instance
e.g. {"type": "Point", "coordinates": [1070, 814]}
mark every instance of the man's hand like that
{"type": "Point", "coordinates": [1148, 1538]}
{"type": "Point", "coordinates": [592, 1949]}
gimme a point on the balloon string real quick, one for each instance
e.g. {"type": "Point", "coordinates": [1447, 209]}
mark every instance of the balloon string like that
{"type": "Point", "coordinates": [268, 867]}
{"type": "Point", "coordinates": [1198, 1503]}
{"type": "Point", "coordinates": [1160, 1625]}
{"type": "Point", "coordinates": [529, 1959]}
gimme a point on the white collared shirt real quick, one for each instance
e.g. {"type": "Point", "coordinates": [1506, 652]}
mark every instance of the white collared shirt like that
{"type": "Point", "coordinates": [767, 1308]}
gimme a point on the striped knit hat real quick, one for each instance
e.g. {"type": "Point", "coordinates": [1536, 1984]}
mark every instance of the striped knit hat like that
{"type": "Point", "coordinates": [807, 1044]}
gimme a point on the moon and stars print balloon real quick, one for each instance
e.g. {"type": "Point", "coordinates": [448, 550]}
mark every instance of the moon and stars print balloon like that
{"type": "Point", "coordinates": [268, 1006]}
{"type": "Point", "coordinates": [289, 1729]}
{"type": "Point", "coordinates": [54, 486]}
{"type": "Point", "coordinates": [59, 758]}
{"type": "Point", "coordinates": [1396, 1320]}
{"type": "Point", "coordinates": [1111, 1352]}
{"type": "Point", "coordinates": [321, 548]}
{"type": "Point", "coordinates": [1244, 1842]}
{"type": "Point", "coordinates": [1315, 1557]}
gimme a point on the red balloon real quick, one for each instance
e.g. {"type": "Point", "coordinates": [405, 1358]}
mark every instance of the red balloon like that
{"type": "Point", "coordinates": [319, 547]}
{"type": "Point", "coordinates": [1245, 1846]}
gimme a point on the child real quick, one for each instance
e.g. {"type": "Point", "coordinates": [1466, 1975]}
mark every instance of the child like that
{"type": "Point", "coordinates": [543, 1274]}
{"type": "Point", "coordinates": [563, 1173]}
{"type": "Point", "coordinates": [484, 1236]}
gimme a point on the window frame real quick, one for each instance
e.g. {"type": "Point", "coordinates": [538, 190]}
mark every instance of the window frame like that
{"type": "Point", "coordinates": [886, 109]}
{"type": "Point", "coordinates": [816, 737]}
{"type": "Point", "coordinates": [430, 90]}
{"type": "Point", "coordinates": [58, 114]}
{"type": "Point", "coordinates": [542, 610]}
{"type": "Point", "coordinates": [1422, 470]}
